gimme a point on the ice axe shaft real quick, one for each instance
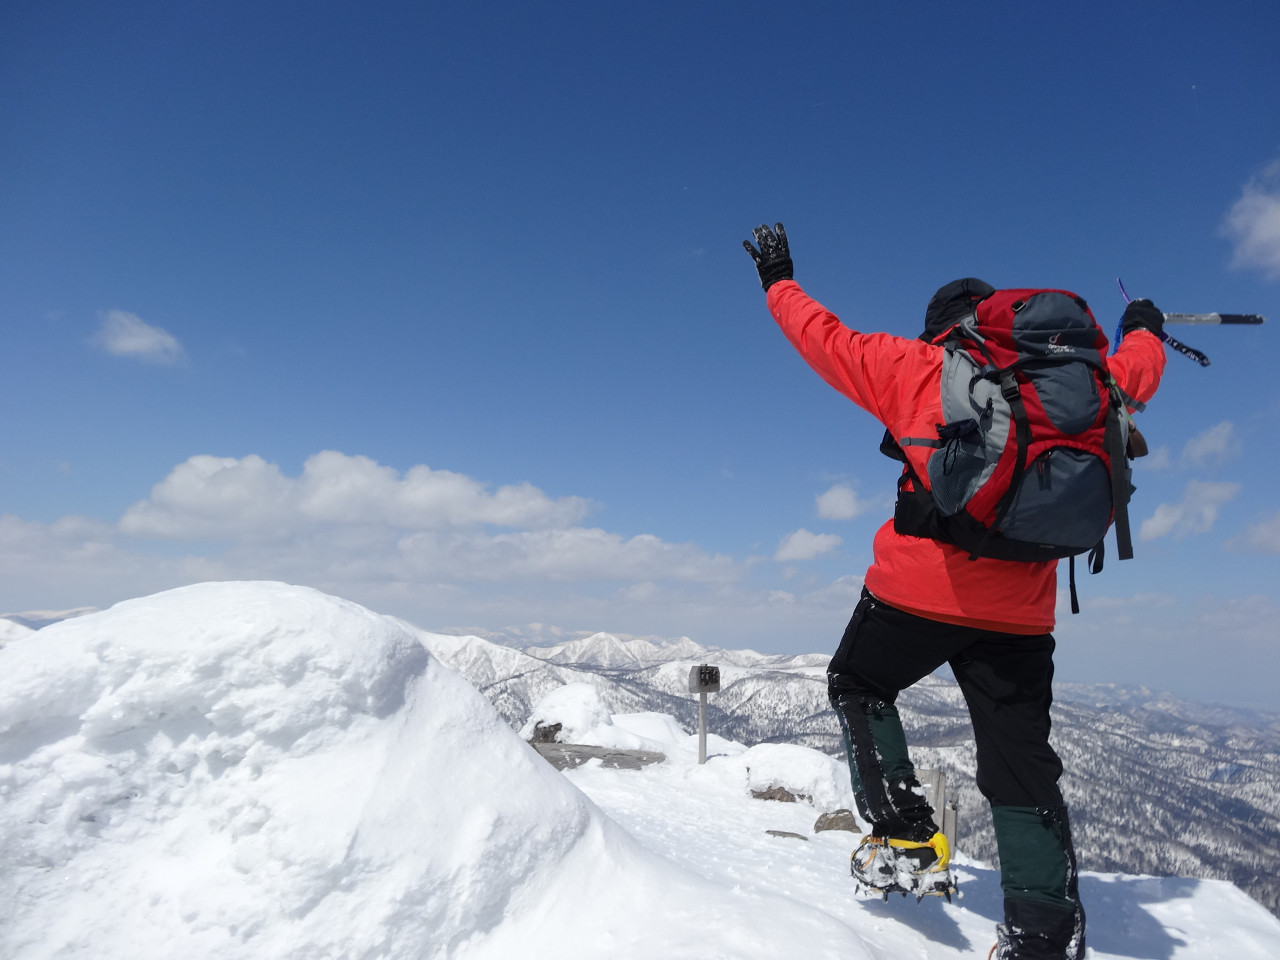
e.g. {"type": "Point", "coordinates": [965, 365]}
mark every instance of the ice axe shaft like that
{"type": "Point", "coordinates": [1225, 318]}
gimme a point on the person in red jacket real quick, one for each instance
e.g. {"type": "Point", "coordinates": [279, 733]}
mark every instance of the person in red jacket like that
{"type": "Point", "coordinates": [925, 603]}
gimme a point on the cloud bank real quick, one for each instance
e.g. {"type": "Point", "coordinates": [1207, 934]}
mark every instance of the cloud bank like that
{"type": "Point", "coordinates": [353, 514]}
{"type": "Point", "coordinates": [440, 548]}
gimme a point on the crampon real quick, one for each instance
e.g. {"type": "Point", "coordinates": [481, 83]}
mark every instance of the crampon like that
{"type": "Point", "coordinates": [886, 865]}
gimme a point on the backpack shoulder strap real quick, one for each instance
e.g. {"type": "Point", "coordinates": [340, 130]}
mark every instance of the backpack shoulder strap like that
{"type": "Point", "coordinates": [1117, 454]}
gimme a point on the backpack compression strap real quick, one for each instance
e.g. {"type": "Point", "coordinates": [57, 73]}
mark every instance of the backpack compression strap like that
{"type": "Point", "coordinates": [1012, 396]}
{"type": "Point", "coordinates": [1116, 453]}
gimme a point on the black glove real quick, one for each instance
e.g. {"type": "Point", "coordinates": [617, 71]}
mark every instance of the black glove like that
{"type": "Point", "coordinates": [1142, 315]}
{"type": "Point", "coordinates": [773, 259]}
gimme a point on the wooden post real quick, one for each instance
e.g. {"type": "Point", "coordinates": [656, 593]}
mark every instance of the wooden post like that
{"type": "Point", "coordinates": [945, 814]}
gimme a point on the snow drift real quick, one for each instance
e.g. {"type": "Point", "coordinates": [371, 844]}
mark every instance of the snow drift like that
{"type": "Point", "coordinates": [12, 631]}
{"type": "Point", "coordinates": [255, 769]}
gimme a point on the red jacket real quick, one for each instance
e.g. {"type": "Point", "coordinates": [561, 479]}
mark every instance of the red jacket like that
{"type": "Point", "coordinates": [898, 381]}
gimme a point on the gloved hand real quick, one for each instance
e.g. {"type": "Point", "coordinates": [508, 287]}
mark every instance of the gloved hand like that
{"type": "Point", "coordinates": [773, 259]}
{"type": "Point", "coordinates": [1142, 315]}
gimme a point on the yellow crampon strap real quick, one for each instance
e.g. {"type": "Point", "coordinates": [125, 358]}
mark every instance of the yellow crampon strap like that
{"type": "Point", "coordinates": [938, 842]}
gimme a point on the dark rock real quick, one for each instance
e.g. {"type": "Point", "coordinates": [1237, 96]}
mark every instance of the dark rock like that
{"type": "Point", "coordinates": [837, 820]}
{"type": "Point", "coordinates": [781, 794]}
{"type": "Point", "coordinates": [545, 732]}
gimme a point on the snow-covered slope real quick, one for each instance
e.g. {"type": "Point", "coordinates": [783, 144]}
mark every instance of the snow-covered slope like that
{"type": "Point", "coordinates": [1156, 786]}
{"type": "Point", "coordinates": [258, 770]}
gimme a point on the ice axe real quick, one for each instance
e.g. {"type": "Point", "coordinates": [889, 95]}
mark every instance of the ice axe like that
{"type": "Point", "coordinates": [1251, 319]}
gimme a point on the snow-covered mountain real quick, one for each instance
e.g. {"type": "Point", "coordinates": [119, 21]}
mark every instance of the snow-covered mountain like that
{"type": "Point", "coordinates": [609, 651]}
{"type": "Point", "coordinates": [35, 619]}
{"type": "Point", "coordinates": [1156, 785]}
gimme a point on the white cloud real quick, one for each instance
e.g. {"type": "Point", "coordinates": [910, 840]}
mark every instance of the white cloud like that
{"type": "Point", "coordinates": [1119, 610]}
{"type": "Point", "coordinates": [76, 561]}
{"type": "Point", "coordinates": [841, 503]}
{"type": "Point", "coordinates": [1253, 223]}
{"type": "Point", "coordinates": [349, 518]}
{"type": "Point", "coordinates": [1196, 513]}
{"type": "Point", "coordinates": [571, 555]}
{"type": "Point", "coordinates": [222, 498]}
{"type": "Point", "coordinates": [1157, 459]}
{"type": "Point", "coordinates": [803, 545]}
{"type": "Point", "coordinates": [841, 596]}
{"type": "Point", "coordinates": [1159, 641]}
{"type": "Point", "coordinates": [1263, 536]}
{"type": "Point", "coordinates": [124, 334]}
{"type": "Point", "coordinates": [1214, 445]}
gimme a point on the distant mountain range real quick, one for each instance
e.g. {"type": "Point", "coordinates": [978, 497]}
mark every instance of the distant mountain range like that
{"type": "Point", "coordinates": [35, 619]}
{"type": "Point", "coordinates": [1156, 785]}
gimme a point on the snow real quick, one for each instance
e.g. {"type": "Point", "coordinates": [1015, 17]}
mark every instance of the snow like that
{"type": "Point", "coordinates": [261, 770]}
{"type": "Point", "coordinates": [10, 631]}
{"type": "Point", "coordinates": [580, 711]}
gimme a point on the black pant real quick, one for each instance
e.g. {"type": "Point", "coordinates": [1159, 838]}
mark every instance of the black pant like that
{"type": "Point", "coordinates": [1006, 680]}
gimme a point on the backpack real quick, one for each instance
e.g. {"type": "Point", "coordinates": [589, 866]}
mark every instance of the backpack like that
{"type": "Point", "coordinates": [1031, 463]}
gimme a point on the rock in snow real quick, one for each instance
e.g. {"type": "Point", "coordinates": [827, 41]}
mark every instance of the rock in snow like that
{"type": "Point", "coordinates": [260, 770]}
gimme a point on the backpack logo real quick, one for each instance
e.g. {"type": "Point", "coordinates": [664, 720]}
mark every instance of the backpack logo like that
{"type": "Point", "coordinates": [1054, 346]}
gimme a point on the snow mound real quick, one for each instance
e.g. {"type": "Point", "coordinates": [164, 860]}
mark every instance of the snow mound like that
{"type": "Point", "coordinates": [577, 707]}
{"type": "Point", "coordinates": [584, 718]}
{"type": "Point", "coordinates": [660, 729]}
{"type": "Point", "coordinates": [230, 769]}
{"type": "Point", "coordinates": [10, 631]}
{"type": "Point", "coordinates": [255, 769]}
{"type": "Point", "coordinates": [808, 774]}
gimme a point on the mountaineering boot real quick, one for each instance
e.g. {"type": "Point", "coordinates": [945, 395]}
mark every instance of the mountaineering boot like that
{"type": "Point", "coordinates": [1033, 930]}
{"type": "Point", "coordinates": [886, 865]}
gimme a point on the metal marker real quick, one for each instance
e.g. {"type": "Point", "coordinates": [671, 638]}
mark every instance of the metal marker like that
{"type": "Point", "coordinates": [703, 679]}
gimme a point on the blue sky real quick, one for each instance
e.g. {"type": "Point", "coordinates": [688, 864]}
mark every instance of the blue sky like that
{"type": "Point", "coordinates": [442, 308]}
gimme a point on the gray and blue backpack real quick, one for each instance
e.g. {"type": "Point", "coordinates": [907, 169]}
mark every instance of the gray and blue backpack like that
{"type": "Point", "coordinates": [1031, 461]}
